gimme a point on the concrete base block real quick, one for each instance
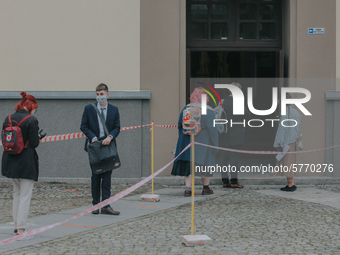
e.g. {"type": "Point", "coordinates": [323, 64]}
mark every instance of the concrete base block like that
{"type": "Point", "coordinates": [193, 240]}
{"type": "Point", "coordinates": [150, 198]}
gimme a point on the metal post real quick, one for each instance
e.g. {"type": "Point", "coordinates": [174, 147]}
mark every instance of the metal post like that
{"type": "Point", "coordinates": [193, 184]}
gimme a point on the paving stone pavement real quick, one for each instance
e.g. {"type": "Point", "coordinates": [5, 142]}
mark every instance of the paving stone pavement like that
{"type": "Point", "coordinates": [240, 222]}
{"type": "Point", "coordinates": [56, 197]}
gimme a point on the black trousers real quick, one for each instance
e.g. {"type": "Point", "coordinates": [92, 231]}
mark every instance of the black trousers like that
{"type": "Point", "coordinates": [228, 157]}
{"type": "Point", "coordinates": [101, 182]}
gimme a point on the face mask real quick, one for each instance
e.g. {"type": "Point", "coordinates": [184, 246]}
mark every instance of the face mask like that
{"type": "Point", "coordinates": [101, 99]}
{"type": "Point", "coordinates": [33, 112]}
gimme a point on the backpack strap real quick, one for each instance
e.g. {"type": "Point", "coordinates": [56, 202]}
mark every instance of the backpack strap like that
{"type": "Point", "coordinates": [19, 126]}
{"type": "Point", "coordinates": [102, 120]}
{"type": "Point", "coordinates": [9, 119]}
{"type": "Point", "coordinates": [25, 147]}
{"type": "Point", "coordinates": [22, 119]}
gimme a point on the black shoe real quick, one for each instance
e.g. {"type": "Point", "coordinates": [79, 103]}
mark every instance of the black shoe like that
{"type": "Point", "coordinates": [109, 210]}
{"type": "Point", "coordinates": [95, 211]}
{"type": "Point", "coordinates": [291, 189]}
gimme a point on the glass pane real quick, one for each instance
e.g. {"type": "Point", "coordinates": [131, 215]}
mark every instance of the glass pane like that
{"type": "Point", "coordinates": [248, 11]}
{"type": "Point", "coordinates": [199, 11]}
{"type": "Point", "coordinates": [267, 12]}
{"type": "Point", "coordinates": [266, 65]}
{"type": "Point", "coordinates": [267, 31]}
{"type": "Point", "coordinates": [247, 31]}
{"type": "Point", "coordinates": [220, 0]}
{"type": "Point", "coordinates": [248, 1]}
{"type": "Point", "coordinates": [219, 31]}
{"type": "Point", "coordinates": [199, 30]}
{"type": "Point", "coordinates": [219, 12]}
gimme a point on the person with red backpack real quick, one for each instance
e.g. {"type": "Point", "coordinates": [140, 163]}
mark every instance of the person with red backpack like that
{"type": "Point", "coordinates": [20, 137]}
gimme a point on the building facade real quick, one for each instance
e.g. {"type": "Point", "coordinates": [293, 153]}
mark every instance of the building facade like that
{"type": "Point", "coordinates": [146, 51]}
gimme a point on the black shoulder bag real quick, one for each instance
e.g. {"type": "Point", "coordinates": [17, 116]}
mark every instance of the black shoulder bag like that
{"type": "Point", "coordinates": [103, 158]}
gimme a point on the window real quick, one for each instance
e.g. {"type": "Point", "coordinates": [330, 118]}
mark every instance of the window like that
{"type": "Point", "coordinates": [209, 19]}
{"type": "Point", "coordinates": [222, 22]}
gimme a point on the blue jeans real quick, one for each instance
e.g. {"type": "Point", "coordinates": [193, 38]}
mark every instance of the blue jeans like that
{"type": "Point", "coordinates": [103, 180]}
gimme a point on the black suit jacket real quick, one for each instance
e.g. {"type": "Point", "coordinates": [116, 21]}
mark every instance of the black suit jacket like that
{"type": "Point", "coordinates": [90, 125]}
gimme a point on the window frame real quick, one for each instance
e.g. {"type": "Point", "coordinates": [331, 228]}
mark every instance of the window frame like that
{"type": "Point", "coordinates": [234, 21]}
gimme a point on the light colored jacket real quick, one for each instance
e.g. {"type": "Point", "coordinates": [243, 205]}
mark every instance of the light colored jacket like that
{"type": "Point", "coordinates": [287, 135]}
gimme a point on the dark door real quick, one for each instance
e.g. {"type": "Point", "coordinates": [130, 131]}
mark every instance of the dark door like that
{"type": "Point", "coordinates": [258, 66]}
{"type": "Point", "coordinates": [238, 39]}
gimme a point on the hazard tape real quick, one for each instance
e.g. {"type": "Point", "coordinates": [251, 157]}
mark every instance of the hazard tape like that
{"type": "Point", "coordinates": [95, 207]}
{"type": "Point", "coordinates": [53, 138]}
{"type": "Point", "coordinates": [71, 136]}
{"type": "Point", "coordinates": [134, 127]}
{"type": "Point", "coordinates": [263, 152]}
{"type": "Point", "coordinates": [166, 126]}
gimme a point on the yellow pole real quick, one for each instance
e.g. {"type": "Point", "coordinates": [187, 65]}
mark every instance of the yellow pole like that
{"type": "Point", "coordinates": [152, 184]}
{"type": "Point", "coordinates": [193, 184]}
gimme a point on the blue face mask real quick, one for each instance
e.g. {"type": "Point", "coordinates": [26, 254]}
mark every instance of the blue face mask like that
{"type": "Point", "coordinates": [34, 112]}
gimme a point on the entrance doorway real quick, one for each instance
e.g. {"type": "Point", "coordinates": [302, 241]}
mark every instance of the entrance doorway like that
{"type": "Point", "coordinates": [229, 64]}
{"type": "Point", "coordinates": [238, 39]}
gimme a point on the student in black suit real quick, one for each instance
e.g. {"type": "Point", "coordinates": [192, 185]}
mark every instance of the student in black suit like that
{"type": "Point", "coordinates": [92, 127]}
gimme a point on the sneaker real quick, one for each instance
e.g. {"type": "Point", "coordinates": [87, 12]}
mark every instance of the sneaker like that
{"type": "Point", "coordinates": [290, 189]}
{"type": "Point", "coordinates": [25, 238]}
{"type": "Point", "coordinates": [207, 192]}
{"type": "Point", "coordinates": [16, 231]}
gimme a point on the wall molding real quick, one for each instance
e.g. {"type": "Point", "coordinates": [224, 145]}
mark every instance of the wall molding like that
{"type": "Point", "coordinates": [332, 95]}
{"type": "Point", "coordinates": [123, 95]}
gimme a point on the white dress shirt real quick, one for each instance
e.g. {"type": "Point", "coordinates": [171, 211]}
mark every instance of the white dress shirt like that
{"type": "Point", "coordinates": [101, 128]}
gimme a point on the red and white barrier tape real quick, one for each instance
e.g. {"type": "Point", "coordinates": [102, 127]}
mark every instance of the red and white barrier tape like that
{"type": "Point", "coordinates": [263, 152]}
{"type": "Point", "coordinates": [166, 126]}
{"type": "Point", "coordinates": [72, 136]}
{"type": "Point", "coordinates": [53, 138]}
{"type": "Point", "coordinates": [95, 207]}
{"type": "Point", "coordinates": [134, 127]}
{"type": "Point", "coordinates": [64, 137]}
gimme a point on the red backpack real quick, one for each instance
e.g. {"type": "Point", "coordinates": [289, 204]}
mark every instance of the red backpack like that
{"type": "Point", "coordinates": [12, 140]}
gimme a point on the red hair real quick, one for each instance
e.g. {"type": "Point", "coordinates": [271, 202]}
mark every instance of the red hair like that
{"type": "Point", "coordinates": [27, 101]}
